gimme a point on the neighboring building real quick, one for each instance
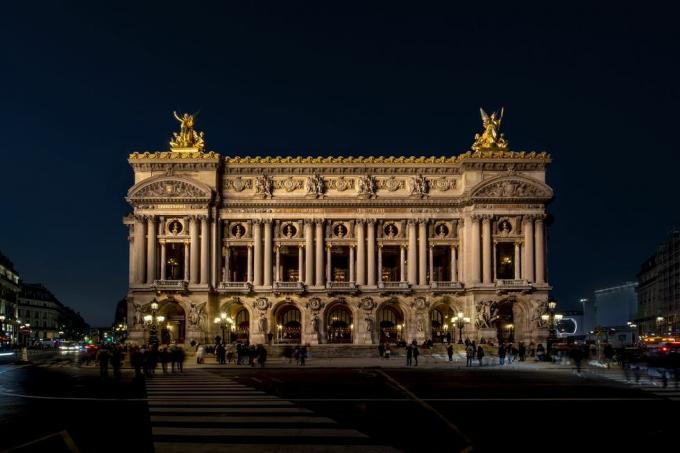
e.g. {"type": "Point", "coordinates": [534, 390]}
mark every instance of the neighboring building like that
{"type": "Point", "coordinates": [9, 293]}
{"type": "Point", "coordinates": [659, 290]}
{"type": "Point", "coordinates": [615, 306]}
{"type": "Point", "coordinates": [49, 319]}
{"type": "Point", "coordinates": [338, 249]}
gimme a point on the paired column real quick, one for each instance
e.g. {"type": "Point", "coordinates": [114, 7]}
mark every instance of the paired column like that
{"type": "Point", "coordinates": [461, 251]}
{"type": "Point", "coordinates": [163, 259]}
{"type": "Point", "coordinates": [431, 264]}
{"type": "Point", "coordinates": [257, 245]}
{"type": "Point", "coordinates": [454, 271]}
{"type": "Point", "coordinates": [370, 279]}
{"type": "Point", "coordinates": [139, 259]}
{"type": "Point", "coordinates": [186, 261]}
{"type": "Point", "coordinates": [528, 268]}
{"type": "Point", "coordinates": [540, 249]}
{"type": "Point", "coordinates": [319, 254]}
{"type": "Point", "coordinates": [361, 253]}
{"type": "Point", "coordinates": [205, 251]}
{"type": "Point", "coordinates": [309, 254]}
{"type": "Point", "coordinates": [487, 259]}
{"type": "Point", "coordinates": [250, 264]}
{"type": "Point", "coordinates": [329, 269]}
{"type": "Point", "coordinates": [517, 260]}
{"type": "Point", "coordinates": [132, 271]}
{"type": "Point", "coordinates": [412, 254]}
{"type": "Point", "coordinates": [380, 247]}
{"type": "Point", "coordinates": [422, 253]}
{"type": "Point", "coordinates": [474, 250]}
{"type": "Point", "coordinates": [193, 262]}
{"type": "Point", "coordinates": [151, 249]}
{"type": "Point", "coordinates": [351, 264]}
{"type": "Point", "coordinates": [402, 258]}
{"type": "Point", "coordinates": [268, 249]}
{"type": "Point", "coordinates": [277, 269]}
{"type": "Point", "coordinates": [227, 271]}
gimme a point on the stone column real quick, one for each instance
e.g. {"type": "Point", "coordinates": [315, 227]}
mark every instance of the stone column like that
{"type": "Point", "coordinates": [309, 253]}
{"type": "Point", "coordinates": [474, 250]}
{"type": "Point", "coordinates": [186, 261]}
{"type": "Point", "coordinates": [361, 253]}
{"type": "Point", "coordinates": [517, 261]}
{"type": "Point", "coordinates": [277, 269]}
{"type": "Point", "coordinates": [193, 262]}
{"type": "Point", "coordinates": [461, 251]}
{"type": "Point", "coordinates": [370, 278]}
{"type": "Point", "coordinates": [320, 279]}
{"type": "Point", "coordinates": [227, 271]}
{"type": "Point", "coordinates": [351, 264]}
{"type": "Point", "coordinates": [205, 251]}
{"type": "Point", "coordinates": [422, 253]}
{"type": "Point", "coordinates": [528, 269]}
{"type": "Point", "coordinates": [250, 263]}
{"type": "Point", "coordinates": [329, 269]}
{"type": "Point", "coordinates": [380, 247]}
{"type": "Point", "coordinates": [454, 271]}
{"type": "Point", "coordinates": [540, 250]}
{"type": "Point", "coordinates": [140, 258]}
{"type": "Point", "coordinates": [412, 254]}
{"type": "Point", "coordinates": [268, 251]}
{"type": "Point", "coordinates": [215, 250]}
{"type": "Point", "coordinates": [151, 249]}
{"type": "Point", "coordinates": [163, 259]}
{"type": "Point", "coordinates": [257, 245]}
{"type": "Point", "coordinates": [301, 252]}
{"type": "Point", "coordinates": [431, 264]}
{"type": "Point", "coordinates": [486, 250]}
{"type": "Point", "coordinates": [131, 257]}
{"type": "Point", "coordinates": [402, 258]}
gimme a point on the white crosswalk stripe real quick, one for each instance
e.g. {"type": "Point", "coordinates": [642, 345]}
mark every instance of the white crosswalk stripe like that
{"type": "Point", "coordinates": [657, 388]}
{"type": "Point", "coordinates": [199, 411]}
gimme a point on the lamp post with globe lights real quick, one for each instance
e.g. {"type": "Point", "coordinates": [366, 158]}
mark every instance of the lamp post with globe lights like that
{"type": "Point", "coordinates": [459, 321]}
{"type": "Point", "coordinates": [152, 321]}
{"type": "Point", "coordinates": [551, 319]}
{"type": "Point", "coordinates": [223, 321]}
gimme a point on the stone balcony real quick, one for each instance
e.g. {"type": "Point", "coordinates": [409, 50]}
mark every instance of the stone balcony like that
{"type": "Point", "coordinates": [445, 286]}
{"type": "Point", "coordinates": [505, 285]}
{"type": "Point", "coordinates": [170, 285]}
{"type": "Point", "coordinates": [341, 287]}
{"type": "Point", "coordinates": [394, 287]}
{"type": "Point", "coordinates": [289, 287]}
{"type": "Point", "coordinates": [235, 287]}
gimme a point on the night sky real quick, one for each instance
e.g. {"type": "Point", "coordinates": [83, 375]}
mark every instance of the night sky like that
{"type": "Point", "coordinates": [84, 84]}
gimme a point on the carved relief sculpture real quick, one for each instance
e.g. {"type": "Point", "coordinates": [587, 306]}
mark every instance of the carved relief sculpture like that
{"type": "Point", "coordinates": [263, 186]}
{"type": "Point", "coordinates": [367, 186]}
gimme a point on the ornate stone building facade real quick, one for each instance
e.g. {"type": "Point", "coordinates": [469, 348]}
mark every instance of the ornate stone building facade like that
{"type": "Point", "coordinates": [338, 249]}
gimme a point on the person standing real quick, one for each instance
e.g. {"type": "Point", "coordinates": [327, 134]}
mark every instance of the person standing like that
{"type": "Point", "coordinates": [449, 351]}
{"type": "Point", "coordinates": [409, 355]}
{"type": "Point", "coordinates": [381, 350]}
{"type": "Point", "coordinates": [480, 354]}
{"type": "Point", "coordinates": [165, 358]}
{"type": "Point", "coordinates": [501, 354]}
{"type": "Point", "coordinates": [522, 351]}
{"type": "Point", "coordinates": [261, 355]}
{"type": "Point", "coordinates": [469, 354]}
{"type": "Point", "coordinates": [103, 357]}
{"type": "Point", "coordinates": [416, 353]}
{"type": "Point", "coordinates": [388, 352]}
{"type": "Point", "coordinates": [229, 351]}
{"type": "Point", "coordinates": [303, 355]}
{"type": "Point", "coordinates": [508, 353]}
{"type": "Point", "coordinates": [117, 360]}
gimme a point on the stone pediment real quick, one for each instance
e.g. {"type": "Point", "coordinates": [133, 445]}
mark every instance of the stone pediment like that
{"type": "Point", "coordinates": [511, 186]}
{"type": "Point", "coordinates": [169, 189]}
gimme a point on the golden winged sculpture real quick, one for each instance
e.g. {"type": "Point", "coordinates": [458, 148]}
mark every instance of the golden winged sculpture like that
{"type": "Point", "coordinates": [491, 138]}
{"type": "Point", "coordinates": [187, 136]}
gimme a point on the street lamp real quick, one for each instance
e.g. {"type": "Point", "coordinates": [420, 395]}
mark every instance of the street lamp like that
{"type": "Point", "coordinates": [510, 328]}
{"type": "Point", "coordinates": [223, 321]}
{"type": "Point", "coordinates": [551, 318]}
{"type": "Point", "coordinates": [152, 321]}
{"type": "Point", "coordinates": [459, 321]}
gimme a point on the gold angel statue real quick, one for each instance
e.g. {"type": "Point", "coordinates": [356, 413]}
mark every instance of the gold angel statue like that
{"type": "Point", "coordinates": [491, 138]}
{"type": "Point", "coordinates": [187, 136]}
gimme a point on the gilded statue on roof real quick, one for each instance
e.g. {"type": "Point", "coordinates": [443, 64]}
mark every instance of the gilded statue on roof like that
{"type": "Point", "coordinates": [491, 138]}
{"type": "Point", "coordinates": [187, 136]}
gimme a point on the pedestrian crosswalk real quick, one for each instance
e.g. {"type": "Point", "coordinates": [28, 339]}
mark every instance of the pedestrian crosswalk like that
{"type": "Point", "coordinates": [652, 386]}
{"type": "Point", "coordinates": [200, 411]}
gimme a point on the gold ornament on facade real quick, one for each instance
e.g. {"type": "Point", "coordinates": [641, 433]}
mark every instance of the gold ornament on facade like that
{"type": "Point", "coordinates": [187, 136]}
{"type": "Point", "coordinates": [491, 138]}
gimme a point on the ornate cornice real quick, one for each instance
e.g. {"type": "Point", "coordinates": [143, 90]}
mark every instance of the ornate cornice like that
{"type": "Point", "coordinates": [343, 160]}
{"type": "Point", "coordinates": [173, 155]}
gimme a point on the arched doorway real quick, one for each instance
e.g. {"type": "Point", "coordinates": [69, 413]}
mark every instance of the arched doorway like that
{"type": "Point", "coordinates": [288, 324]}
{"type": "Point", "coordinates": [504, 323]}
{"type": "Point", "coordinates": [339, 324]}
{"type": "Point", "coordinates": [242, 326]}
{"type": "Point", "coordinates": [390, 320]}
{"type": "Point", "coordinates": [440, 323]}
{"type": "Point", "coordinates": [174, 326]}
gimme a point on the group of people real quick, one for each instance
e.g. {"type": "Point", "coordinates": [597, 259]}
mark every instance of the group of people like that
{"type": "Point", "coordinates": [472, 352]}
{"type": "Point", "coordinates": [300, 353]}
{"type": "Point", "coordinates": [144, 359]}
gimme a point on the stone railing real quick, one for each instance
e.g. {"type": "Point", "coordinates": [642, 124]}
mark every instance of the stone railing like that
{"type": "Point", "coordinates": [235, 286]}
{"type": "Point", "coordinates": [170, 285]}
{"type": "Point", "coordinates": [341, 286]}
{"type": "Point", "coordinates": [289, 286]}
{"type": "Point", "coordinates": [445, 285]}
{"type": "Point", "coordinates": [507, 283]}
{"type": "Point", "coordinates": [393, 285]}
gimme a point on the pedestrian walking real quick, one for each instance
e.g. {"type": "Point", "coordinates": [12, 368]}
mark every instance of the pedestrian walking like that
{"type": "Point", "coordinates": [409, 355]}
{"type": "Point", "coordinates": [165, 358]}
{"type": "Point", "coordinates": [416, 353]}
{"type": "Point", "coordinates": [522, 351]}
{"type": "Point", "coordinates": [469, 354]}
{"type": "Point", "coordinates": [501, 354]}
{"type": "Point", "coordinates": [480, 354]}
{"type": "Point", "coordinates": [388, 351]}
{"type": "Point", "coordinates": [381, 350]}
{"type": "Point", "coordinates": [200, 354]}
{"type": "Point", "coordinates": [261, 355]}
{"type": "Point", "coordinates": [103, 357]}
{"type": "Point", "coordinates": [577, 357]}
{"type": "Point", "coordinates": [229, 352]}
{"type": "Point", "coordinates": [117, 361]}
{"type": "Point", "coordinates": [449, 351]}
{"type": "Point", "coordinates": [303, 355]}
{"type": "Point", "coordinates": [508, 353]}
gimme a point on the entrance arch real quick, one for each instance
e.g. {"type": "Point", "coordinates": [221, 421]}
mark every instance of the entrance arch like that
{"type": "Point", "coordinates": [339, 324]}
{"type": "Point", "coordinates": [390, 321]}
{"type": "Point", "coordinates": [174, 328]}
{"type": "Point", "coordinates": [242, 325]}
{"type": "Point", "coordinates": [288, 324]}
{"type": "Point", "coordinates": [440, 323]}
{"type": "Point", "coordinates": [504, 322]}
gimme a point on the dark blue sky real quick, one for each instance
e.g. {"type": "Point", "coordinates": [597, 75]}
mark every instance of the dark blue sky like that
{"type": "Point", "coordinates": [83, 84]}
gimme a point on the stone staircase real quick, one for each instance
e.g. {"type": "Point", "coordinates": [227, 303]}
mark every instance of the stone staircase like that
{"type": "Point", "coordinates": [329, 350]}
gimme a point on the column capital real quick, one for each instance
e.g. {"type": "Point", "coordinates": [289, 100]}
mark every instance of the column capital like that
{"type": "Point", "coordinates": [267, 221]}
{"type": "Point", "coordinates": [380, 245]}
{"type": "Point", "coordinates": [301, 246]}
{"type": "Point", "coordinates": [139, 217]}
{"type": "Point", "coordinates": [539, 217]}
{"type": "Point", "coordinates": [370, 221]}
{"type": "Point", "coordinates": [256, 221]}
{"type": "Point", "coordinates": [411, 221]}
{"type": "Point", "coordinates": [422, 221]}
{"type": "Point", "coordinates": [477, 217]}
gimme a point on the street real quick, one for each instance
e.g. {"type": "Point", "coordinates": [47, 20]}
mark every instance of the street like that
{"type": "Point", "coordinates": [57, 405]}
